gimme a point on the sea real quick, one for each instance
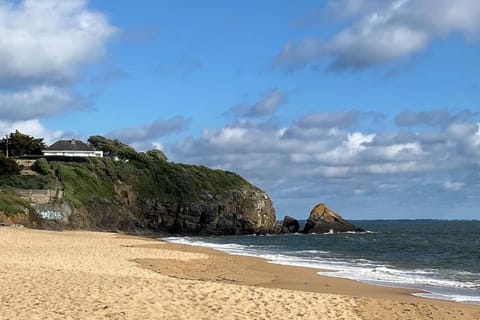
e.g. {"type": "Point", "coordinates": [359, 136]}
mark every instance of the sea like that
{"type": "Point", "coordinates": [439, 257]}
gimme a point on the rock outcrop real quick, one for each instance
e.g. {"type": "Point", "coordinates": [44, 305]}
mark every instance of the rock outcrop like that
{"type": "Point", "coordinates": [244, 211]}
{"type": "Point", "coordinates": [324, 220]}
{"type": "Point", "coordinates": [290, 225]}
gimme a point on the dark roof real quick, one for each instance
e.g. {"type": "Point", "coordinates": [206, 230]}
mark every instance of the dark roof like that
{"type": "Point", "coordinates": [71, 145]}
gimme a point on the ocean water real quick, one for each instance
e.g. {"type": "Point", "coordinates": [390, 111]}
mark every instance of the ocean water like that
{"type": "Point", "coordinates": [440, 257]}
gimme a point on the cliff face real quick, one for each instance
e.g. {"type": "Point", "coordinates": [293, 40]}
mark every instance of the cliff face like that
{"type": "Point", "coordinates": [242, 211]}
{"type": "Point", "coordinates": [155, 196]}
{"type": "Point", "coordinates": [323, 220]}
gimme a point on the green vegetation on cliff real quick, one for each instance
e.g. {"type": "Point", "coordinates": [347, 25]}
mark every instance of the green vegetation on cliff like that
{"type": "Point", "coordinates": [179, 182]}
{"type": "Point", "coordinates": [11, 204]}
{"type": "Point", "coordinates": [130, 190]}
{"type": "Point", "coordinates": [19, 144]}
{"type": "Point", "coordinates": [170, 182]}
{"type": "Point", "coordinates": [8, 167]}
{"type": "Point", "coordinates": [87, 180]}
{"type": "Point", "coordinates": [28, 182]}
{"type": "Point", "coordinates": [14, 210]}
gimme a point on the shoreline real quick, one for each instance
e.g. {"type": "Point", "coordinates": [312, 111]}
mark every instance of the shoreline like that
{"type": "Point", "coordinates": [418, 291]}
{"type": "Point", "coordinates": [313, 279]}
{"type": "Point", "coordinates": [99, 275]}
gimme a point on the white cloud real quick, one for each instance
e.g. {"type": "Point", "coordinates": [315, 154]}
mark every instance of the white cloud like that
{"type": "Point", "coordinates": [43, 45]}
{"type": "Point", "coordinates": [50, 39]}
{"type": "Point", "coordinates": [31, 127]}
{"type": "Point", "coordinates": [453, 185]}
{"type": "Point", "coordinates": [228, 136]}
{"type": "Point", "coordinates": [384, 31]}
{"type": "Point", "coordinates": [36, 102]}
{"type": "Point", "coordinates": [324, 162]}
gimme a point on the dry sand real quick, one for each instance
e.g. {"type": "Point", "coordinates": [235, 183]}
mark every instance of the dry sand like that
{"type": "Point", "coordinates": [88, 275]}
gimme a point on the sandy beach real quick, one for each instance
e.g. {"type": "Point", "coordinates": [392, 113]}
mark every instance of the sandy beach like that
{"type": "Point", "coordinates": [92, 275]}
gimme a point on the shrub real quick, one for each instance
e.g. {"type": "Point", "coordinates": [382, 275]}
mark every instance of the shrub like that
{"type": "Point", "coordinates": [156, 154]}
{"type": "Point", "coordinates": [8, 166]}
{"type": "Point", "coordinates": [28, 182]}
{"type": "Point", "coordinates": [41, 166]}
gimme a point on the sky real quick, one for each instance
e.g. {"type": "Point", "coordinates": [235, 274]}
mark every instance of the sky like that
{"type": "Point", "coordinates": [372, 106]}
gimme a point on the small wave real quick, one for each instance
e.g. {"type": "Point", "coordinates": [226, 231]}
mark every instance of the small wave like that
{"type": "Point", "coordinates": [451, 297]}
{"type": "Point", "coordinates": [391, 276]}
{"type": "Point", "coordinates": [312, 251]}
{"type": "Point", "coordinates": [189, 241]}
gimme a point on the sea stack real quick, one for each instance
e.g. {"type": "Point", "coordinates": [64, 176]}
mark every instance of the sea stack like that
{"type": "Point", "coordinates": [290, 225]}
{"type": "Point", "coordinates": [324, 220]}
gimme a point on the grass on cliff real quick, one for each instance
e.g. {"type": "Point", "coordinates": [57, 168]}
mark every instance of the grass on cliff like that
{"type": "Point", "coordinates": [91, 180]}
{"type": "Point", "coordinates": [11, 204]}
{"type": "Point", "coordinates": [150, 179]}
{"type": "Point", "coordinates": [172, 182]}
{"type": "Point", "coordinates": [82, 185]}
{"type": "Point", "coordinates": [28, 182]}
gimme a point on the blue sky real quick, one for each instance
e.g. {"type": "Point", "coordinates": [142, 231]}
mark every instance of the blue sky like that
{"type": "Point", "coordinates": [371, 106]}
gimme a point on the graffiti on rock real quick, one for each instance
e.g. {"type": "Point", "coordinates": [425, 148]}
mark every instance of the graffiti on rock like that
{"type": "Point", "coordinates": [51, 215]}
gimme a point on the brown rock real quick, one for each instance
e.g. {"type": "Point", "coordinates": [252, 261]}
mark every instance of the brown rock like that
{"type": "Point", "coordinates": [324, 220]}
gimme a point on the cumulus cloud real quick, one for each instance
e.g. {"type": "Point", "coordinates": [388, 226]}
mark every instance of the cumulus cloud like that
{"type": "Point", "coordinates": [383, 32]}
{"type": "Point", "coordinates": [34, 128]}
{"type": "Point", "coordinates": [37, 102]}
{"type": "Point", "coordinates": [49, 39]}
{"type": "Point", "coordinates": [144, 134]}
{"type": "Point", "coordinates": [44, 44]}
{"type": "Point", "coordinates": [328, 158]}
{"type": "Point", "coordinates": [265, 106]}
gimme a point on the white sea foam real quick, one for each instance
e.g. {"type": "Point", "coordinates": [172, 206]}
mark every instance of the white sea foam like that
{"type": "Point", "coordinates": [356, 269]}
{"type": "Point", "coordinates": [451, 297]}
{"type": "Point", "coordinates": [312, 251]}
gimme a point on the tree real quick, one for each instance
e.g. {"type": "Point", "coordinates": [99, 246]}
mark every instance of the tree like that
{"type": "Point", "coordinates": [113, 148]}
{"type": "Point", "coordinates": [8, 166]}
{"type": "Point", "coordinates": [108, 146]}
{"type": "Point", "coordinates": [20, 144]}
{"type": "Point", "coordinates": [156, 154]}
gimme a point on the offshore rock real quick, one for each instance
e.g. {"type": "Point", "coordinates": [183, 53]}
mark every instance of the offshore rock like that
{"type": "Point", "coordinates": [324, 220]}
{"type": "Point", "coordinates": [290, 225]}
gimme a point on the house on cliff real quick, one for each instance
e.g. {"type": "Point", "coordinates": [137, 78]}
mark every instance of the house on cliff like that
{"type": "Point", "coordinates": [72, 148]}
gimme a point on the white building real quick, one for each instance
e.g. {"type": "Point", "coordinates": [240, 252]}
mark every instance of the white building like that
{"type": "Point", "coordinates": [72, 148]}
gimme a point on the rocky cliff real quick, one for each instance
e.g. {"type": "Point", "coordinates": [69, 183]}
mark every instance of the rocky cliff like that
{"type": "Point", "coordinates": [324, 220]}
{"type": "Point", "coordinates": [148, 195]}
{"type": "Point", "coordinates": [241, 211]}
